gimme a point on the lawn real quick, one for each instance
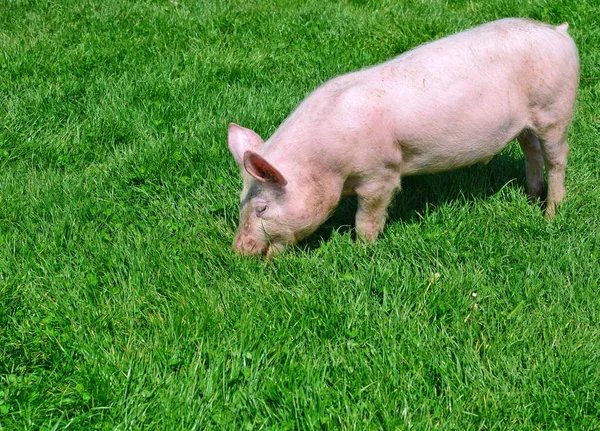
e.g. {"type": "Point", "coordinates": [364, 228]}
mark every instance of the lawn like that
{"type": "Point", "coordinates": [123, 306]}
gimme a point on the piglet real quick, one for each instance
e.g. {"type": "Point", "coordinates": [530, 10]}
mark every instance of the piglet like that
{"type": "Point", "coordinates": [445, 104]}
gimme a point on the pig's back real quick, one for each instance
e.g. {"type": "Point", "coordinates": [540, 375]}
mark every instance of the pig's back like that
{"type": "Point", "coordinates": [480, 51]}
{"type": "Point", "coordinates": [459, 100]}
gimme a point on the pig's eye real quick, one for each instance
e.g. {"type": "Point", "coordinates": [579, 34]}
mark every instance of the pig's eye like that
{"type": "Point", "coordinates": [260, 209]}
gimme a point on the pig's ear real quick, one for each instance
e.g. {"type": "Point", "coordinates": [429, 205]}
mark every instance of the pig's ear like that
{"type": "Point", "coordinates": [262, 170]}
{"type": "Point", "coordinates": [242, 140]}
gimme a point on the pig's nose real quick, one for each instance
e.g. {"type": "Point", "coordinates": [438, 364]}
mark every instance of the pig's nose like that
{"type": "Point", "coordinates": [238, 245]}
{"type": "Point", "coordinates": [245, 246]}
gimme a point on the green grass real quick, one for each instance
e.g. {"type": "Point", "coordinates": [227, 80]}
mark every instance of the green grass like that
{"type": "Point", "coordinates": [123, 307]}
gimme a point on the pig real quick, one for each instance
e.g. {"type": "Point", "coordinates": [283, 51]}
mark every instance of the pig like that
{"type": "Point", "coordinates": [442, 105]}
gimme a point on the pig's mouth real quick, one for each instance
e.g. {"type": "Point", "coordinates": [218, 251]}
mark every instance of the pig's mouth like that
{"type": "Point", "coordinates": [265, 251]}
{"type": "Point", "coordinates": [270, 249]}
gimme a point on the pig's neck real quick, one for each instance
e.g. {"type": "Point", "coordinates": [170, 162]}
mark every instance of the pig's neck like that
{"type": "Point", "coordinates": [314, 192]}
{"type": "Point", "coordinates": [303, 155]}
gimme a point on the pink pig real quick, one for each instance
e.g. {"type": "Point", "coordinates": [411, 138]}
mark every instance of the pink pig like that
{"type": "Point", "coordinates": [446, 104]}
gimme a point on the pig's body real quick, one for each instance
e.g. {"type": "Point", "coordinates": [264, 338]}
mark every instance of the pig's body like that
{"type": "Point", "coordinates": [443, 105]}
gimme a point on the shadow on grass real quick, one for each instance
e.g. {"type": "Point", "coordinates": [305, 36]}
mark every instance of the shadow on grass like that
{"type": "Point", "coordinates": [429, 192]}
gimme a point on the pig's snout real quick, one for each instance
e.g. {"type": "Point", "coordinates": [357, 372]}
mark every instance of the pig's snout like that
{"type": "Point", "coordinates": [249, 246]}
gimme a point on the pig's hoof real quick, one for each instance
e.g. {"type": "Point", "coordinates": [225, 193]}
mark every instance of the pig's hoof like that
{"type": "Point", "coordinates": [550, 211]}
{"type": "Point", "coordinates": [536, 193]}
{"type": "Point", "coordinates": [367, 236]}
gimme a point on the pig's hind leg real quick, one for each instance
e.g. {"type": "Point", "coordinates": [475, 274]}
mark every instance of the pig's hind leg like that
{"type": "Point", "coordinates": [534, 164]}
{"type": "Point", "coordinates": [374, 196]}
{"type": "Point", "coordinates": [554, 151]}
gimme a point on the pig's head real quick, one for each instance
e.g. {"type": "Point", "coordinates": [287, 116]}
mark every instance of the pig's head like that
{"type": "Point", "coordinates": [275, 211]}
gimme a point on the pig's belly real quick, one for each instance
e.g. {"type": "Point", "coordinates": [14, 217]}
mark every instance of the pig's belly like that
{"type": "Point", "coordinates": [443, 154]}
{"type": "Point", "coordinates": [457, 135]}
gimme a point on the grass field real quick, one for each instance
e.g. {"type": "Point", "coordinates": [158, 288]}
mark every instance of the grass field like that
{"type": "Point", "coordinates": [122, 305]}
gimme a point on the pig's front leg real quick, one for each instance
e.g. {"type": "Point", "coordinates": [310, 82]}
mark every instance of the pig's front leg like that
{"type": "Point", "coordinates": [374, 196]}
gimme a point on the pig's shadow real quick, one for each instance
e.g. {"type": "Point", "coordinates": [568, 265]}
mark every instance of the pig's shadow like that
{"type": "Point", "coordinates": [431, 191]}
